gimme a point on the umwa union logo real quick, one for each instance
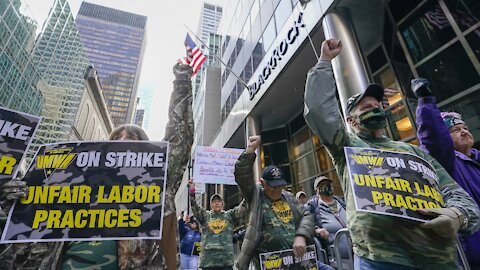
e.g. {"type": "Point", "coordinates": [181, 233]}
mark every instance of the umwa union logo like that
{"type": "Point", "coordinates": [54, 159]}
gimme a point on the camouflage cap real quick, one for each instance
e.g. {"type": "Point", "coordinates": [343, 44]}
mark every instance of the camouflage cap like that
{"type": "Point", "coordinates": [319, 180]}
{"type": "Point", "coordinates": [216, 196]}
{"type": "Point", "coordinates": [373, 90]}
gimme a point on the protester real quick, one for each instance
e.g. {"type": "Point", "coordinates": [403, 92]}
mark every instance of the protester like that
{"type": "Point", "coordinates": [383, 241]}
{"type": "Point", "coordinates": [132, 254]}
{"type": "Point", "coordinates": [329, 213]}
{"type": "Point", "coordinates": [125, 254]}
{"type": "Point", "coordinates": [217, 227]}
{"type": "Point", "coordinates": [276, 221]}
{"type": "Point", "coordinates": [189, 234]}
{"type": "Point", "coordinates": [301, 197]}
{"type": "Point", "coordinates": [446, 137]}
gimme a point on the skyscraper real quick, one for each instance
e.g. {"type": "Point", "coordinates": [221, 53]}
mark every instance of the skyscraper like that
{"type": "Point", "coordinates": [61, 62]}
{"type": "Point", "coordinates": [114, 41]}
{"type": "Point", "coordinates": [210, 17]}
{"type": "Point", "coordinates": [145, 96]}
{"type": "Point", "coordinates": [20, 82]}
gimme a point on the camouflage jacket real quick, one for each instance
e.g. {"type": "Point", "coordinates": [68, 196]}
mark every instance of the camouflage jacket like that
{"type": "Point", "coordinates": [132, 254]}
{"type": "Point", "coordinates": [217, 235]}
{"type": "Point", "coordinates": [252, 193]}
{"type": "Point", "coordinates": [372, 234]}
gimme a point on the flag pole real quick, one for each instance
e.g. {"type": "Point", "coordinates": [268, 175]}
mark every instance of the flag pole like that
{"type": "Point", "coordinates": [216, 56]}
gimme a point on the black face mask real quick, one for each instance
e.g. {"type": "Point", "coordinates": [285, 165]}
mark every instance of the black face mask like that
{"type": "Point", "coordinates": [373, 119]}
{"type": "Point", "coordinates": [326, 190]}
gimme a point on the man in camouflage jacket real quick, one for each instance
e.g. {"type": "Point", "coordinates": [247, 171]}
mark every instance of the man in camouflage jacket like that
{"type": "Point", "coordinates": [276, 220]}
{"type": "Point", "coordinates": [382, 241]}
{"type": "Point", "coordinates": [144, 254]}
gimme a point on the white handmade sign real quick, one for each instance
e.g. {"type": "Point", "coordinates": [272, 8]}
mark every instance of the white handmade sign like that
{"type": "Point", "coordinates": [215, 165]}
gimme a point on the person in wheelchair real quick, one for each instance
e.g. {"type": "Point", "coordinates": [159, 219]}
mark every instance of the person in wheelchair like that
{"type": "Point", "coordinates": [330, 216]}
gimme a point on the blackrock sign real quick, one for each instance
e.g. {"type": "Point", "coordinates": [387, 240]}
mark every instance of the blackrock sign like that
{"type": "Point", "coordinates": [277, 54]}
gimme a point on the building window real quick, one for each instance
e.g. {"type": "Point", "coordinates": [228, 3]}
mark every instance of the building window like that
{"type": "Point", "coordinates": [282, 13]}
{"type": "Point", "coordinates": [474, 41]}
{"type": "Point", "coordinates": [400, 124]}
{"type": "Point", "coordinates": [427, 33]}
{"type": "Point", "coordinates": [466, 13]}
{"type": "Point", "coordinates": [449, 72]}
{"type": "Point", "coordinates": [269, 34]}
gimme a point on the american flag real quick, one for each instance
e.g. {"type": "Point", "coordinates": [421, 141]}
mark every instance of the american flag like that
{"type": "Point", "coordinates": [195, 57]}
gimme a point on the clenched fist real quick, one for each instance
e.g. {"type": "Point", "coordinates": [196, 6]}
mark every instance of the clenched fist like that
{"type": "Point", "coordinates": [330, 49]}
{"type": "Point", "coordinates": [253, 143]}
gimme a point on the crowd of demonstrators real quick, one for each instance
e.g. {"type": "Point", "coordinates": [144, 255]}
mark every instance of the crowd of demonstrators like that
{"type": "Point", "coordinates": [217, 227]}
{"type": "Point", "coordinates": [446, 137]}
{"type": "Point", "coordinates": [125, 254]}
{"type": "Point", "coordinates": [189, 230]}
{"type": "Point", "coordinates": [272, 219]}
{"type": "Point", "coordinates": [275, 219]}
{"type": "Point", "coordinates": [330, 216]}
{"type": "Point", "coordinates": [411, 244]}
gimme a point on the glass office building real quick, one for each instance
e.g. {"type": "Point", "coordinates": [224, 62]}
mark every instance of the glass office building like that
{"type": "Point", "coordinates": [271, 44]}
{"type": "Point", "coordinates": [20, 82]}
{"type": "Point", "coordinates": [61, 61]}
{"type": "Point", "coordinates": [210, 17]}
{"type": "Point", "coordinates": [114, 41]}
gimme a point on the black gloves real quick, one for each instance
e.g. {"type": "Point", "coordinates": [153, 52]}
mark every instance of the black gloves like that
{"type": "Point", "coordinates": [420, 87]}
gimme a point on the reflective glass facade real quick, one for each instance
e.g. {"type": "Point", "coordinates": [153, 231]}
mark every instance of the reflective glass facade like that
{"type": "Point", "coordinates": [145, 103]}
{"type": "Point", "coordinates": [114, 41]}
{"type": "Point", "coordinates": [61, 61]}
{"type": "Point", "coordinates": [246, 40]}
{"type": "Point", "coordinates": [434, 40]}
{"type": "Point", "coordinates": [20, 82]}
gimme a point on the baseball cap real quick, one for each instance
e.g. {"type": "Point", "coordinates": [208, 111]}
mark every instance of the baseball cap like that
{"type": "Point", "coordinates": [300, 193]}
{"type": "Point", "coordinates": [273, 176]}
{"type": "Point", "coordinates": [451, 119]}
{"type": "Point", "coordinates": [216, 196]}
{"type": "Point", "coordinates": [373, 90]}
{"type": "Point", "coordinates": [320, 179]}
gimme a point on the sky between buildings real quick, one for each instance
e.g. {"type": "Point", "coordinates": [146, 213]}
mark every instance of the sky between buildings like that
{"type": "Point", "coordinates": [165, 35]}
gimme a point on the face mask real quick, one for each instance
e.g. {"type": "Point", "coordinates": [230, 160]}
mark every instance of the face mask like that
{"type": "Point", "coordinates": [373, 119]}
{"type": "Point", "coordinates": [326, 190]}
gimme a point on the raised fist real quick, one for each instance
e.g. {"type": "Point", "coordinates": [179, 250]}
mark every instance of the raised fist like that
{"type": "Point", "coordinates": [253, 143]}
{"type": "Point", "coordinates": [182, 72]}
{"type": "Point", "coordinates": [330, 49]}
{"type": "Point", "coordinates": [420, 87]}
